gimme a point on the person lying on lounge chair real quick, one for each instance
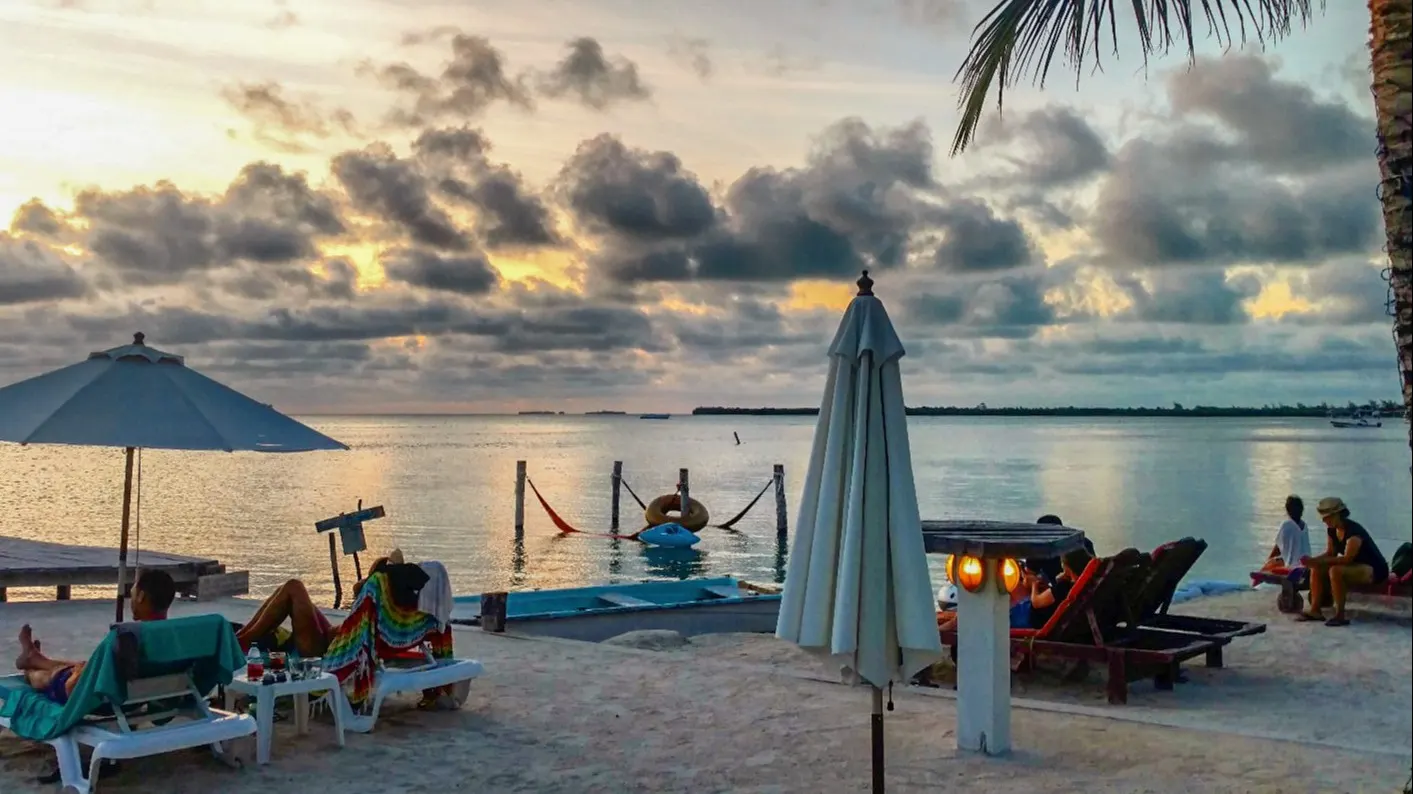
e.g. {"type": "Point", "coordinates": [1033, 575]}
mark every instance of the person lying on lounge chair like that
{"type": "Point", "coordinates": [1292, 539]}
{"type": "Point", "coordinates": [152, 596]}
{"type": "Point", "coordinates": [309, 631]}
{"type": "Point", "coordinates": [1034, 612]}
{"type": "Point", "coordinates": [1050, 568]}
{"type": "Point", "coordinates": [1350, 557]}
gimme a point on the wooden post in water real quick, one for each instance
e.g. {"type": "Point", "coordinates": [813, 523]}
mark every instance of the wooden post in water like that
{"type": "Point", "coordinates": [617, 486]}
{"type": "Point", "coordinates": [519, 498]}
{"type": "Point", "coordinates": [782, 521]}
{"type": "Point", "coordinates": [683, 489]}
{"type": "Point", "coordinates": [63, 592]}
{"type": "Point", "coordinates": [493, 611]}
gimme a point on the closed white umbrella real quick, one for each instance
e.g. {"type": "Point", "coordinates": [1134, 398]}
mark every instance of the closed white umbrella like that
{"type": "Point", "coordinates": [857, 589]}
{"type": "Point", "coordinates": [137, 396]}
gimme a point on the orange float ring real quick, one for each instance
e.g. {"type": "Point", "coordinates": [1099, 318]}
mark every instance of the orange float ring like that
{"type": "Point", "coordinates": [695, 518]}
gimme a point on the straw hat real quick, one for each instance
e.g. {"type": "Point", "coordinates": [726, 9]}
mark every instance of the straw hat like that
{"type": "Point", "coordinates": [1330, 505]}
{"type": "Point", "coordinates": [395, 556]}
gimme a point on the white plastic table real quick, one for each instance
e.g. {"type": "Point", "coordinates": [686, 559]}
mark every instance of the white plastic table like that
{"type": "Point", "coordinates": [265, 695]}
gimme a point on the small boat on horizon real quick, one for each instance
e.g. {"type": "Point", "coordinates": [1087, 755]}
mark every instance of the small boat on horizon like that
{"type": "Point", "coordinates": [655, 416]}
{"type": "Point", "coordinates": [1358, 419]}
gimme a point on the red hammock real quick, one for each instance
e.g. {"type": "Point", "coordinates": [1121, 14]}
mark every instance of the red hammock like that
{"type": "Point", "coordinates": [565, 526]}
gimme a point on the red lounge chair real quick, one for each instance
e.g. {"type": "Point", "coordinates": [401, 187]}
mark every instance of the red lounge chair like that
{"type": "Point", "coordinates": [1154, 594]}
{"type": "Point", "coordinates": [1086, 626]}
{"type": "Point", "coordinates": [1290, 601]}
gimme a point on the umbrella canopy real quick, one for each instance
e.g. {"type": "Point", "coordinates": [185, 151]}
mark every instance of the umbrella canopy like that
{"type": "Point", "coordinates": [857, 588]}
{"type": "Point", "coordinates": [138, 396]}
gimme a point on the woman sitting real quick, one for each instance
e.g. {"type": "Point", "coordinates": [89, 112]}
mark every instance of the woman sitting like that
{"type": "Point", "coordinates": [1292, 539]}
{"type": "Point", "coordinates": [1350, 557]}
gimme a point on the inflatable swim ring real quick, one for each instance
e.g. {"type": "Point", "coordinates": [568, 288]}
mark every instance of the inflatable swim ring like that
{"type": "Point", "coordinates": [693, 520]}
{"type": "Point", "coordinates": [670, 534]}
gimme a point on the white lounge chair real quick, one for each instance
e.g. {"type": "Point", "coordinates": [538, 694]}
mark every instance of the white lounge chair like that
{"type": "Point", "coordinates": [120, 736]}
{"type": "Point", "coordinates": [391, 679]}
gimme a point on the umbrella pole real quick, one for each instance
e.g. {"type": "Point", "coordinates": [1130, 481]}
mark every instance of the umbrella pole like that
{"type": "Point", "coordinates": [877, 741]}
{"type": "Point", "coordinates": [123, 538]}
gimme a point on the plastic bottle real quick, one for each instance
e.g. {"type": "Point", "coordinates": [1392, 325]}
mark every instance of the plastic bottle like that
{"type": "Point", "coordinates": [254, 664]}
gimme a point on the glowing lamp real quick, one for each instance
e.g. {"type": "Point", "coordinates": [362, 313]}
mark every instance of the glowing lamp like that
{"type": "Point", "coordinates": [1010, 576]}
{"type": "Point", "coordinates": [969, 572]}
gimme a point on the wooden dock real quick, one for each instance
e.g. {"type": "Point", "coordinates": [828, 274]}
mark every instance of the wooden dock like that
{"type": "Point", "coordinates": [33, 563]}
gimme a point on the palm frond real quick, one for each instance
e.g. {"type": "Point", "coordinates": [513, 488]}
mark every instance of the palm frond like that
{"type": "Point", "coordinates": [1021, 37]}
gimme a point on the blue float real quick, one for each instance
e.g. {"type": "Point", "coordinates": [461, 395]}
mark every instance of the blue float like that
{"type": "Point", "coordinates": [669, 535]}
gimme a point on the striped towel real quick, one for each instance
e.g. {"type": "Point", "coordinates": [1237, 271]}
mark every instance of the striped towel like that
{"type": "Point", "coordinates": [377, 628]}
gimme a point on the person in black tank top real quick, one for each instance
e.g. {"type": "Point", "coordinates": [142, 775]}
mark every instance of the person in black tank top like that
{"type": "Point", "coordinates": [1351, 557]}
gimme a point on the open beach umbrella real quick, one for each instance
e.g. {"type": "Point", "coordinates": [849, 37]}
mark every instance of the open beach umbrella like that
{"type": "Point", "coordinates": [137, 396]}
{"type": "Point", "coordinates": [857, 589]}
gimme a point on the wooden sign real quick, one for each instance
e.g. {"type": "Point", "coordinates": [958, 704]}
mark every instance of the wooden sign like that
{"type": "Point", "coordinates": [350, 527]}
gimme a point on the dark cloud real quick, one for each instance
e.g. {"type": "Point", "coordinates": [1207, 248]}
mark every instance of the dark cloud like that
{"type": "Point", "coordinates": [283, 122]}
{"type": "Point", "coordinates": [1196, 297]}
{"type": "Point", "coordinates": [34, 217]}
{"type": "Point", "coordinates": [974, 239]}
{"type": "Point", "coordinates": [1278, 123]}
{"type": "Point", "coordinates": [1344, 292]}
{"type": "Point", "coordinates": [634, 193]}
{"type": "Point", "coordinates": [1009, 306]}
{"type": "Point", "coordinates": [593, 78]}
{"type": "Point", "coordinates": [508, 213]}
{"type": "Point", "coordinates": [1058, 147]}
{"type": "Point", "coordinates": [1157, 209]}
{"type": "Point", "coordinates": [469, 274]}
{"type": "Point", "coordinates": [392, 189]}
{"type": "Point", "coordinates": [337, 280]}
{"type": "Point", "coordinates": [691, 53]}
{"type": "Point", "coordinates": [30, 273]}
{"type": "Point", "coordinates": [473, 79]}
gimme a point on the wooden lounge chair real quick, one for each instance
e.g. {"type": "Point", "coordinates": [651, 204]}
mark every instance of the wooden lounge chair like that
{"type": "Point", "coordinates": [1290, 601]}
{"type": "Point", "coordinates": [1153, 592]}
{"type": "Point", "coordinates": [1090, 626]}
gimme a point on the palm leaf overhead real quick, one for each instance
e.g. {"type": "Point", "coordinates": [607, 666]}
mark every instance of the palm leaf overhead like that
{"type": "Point", "coordinates": [1020, 37]}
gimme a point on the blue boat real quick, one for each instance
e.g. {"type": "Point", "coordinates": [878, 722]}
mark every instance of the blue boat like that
{"type": "Point", "coordinates": [593, 614]}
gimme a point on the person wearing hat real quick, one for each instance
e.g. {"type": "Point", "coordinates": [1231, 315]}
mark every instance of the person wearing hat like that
{"type": "Point", "coordinates": [1351, 557]}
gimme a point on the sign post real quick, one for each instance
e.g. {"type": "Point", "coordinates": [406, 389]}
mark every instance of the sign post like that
{"type": "Point", "coordinates": [350, 532]}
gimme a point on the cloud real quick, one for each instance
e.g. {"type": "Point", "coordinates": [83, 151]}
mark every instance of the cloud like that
{"type": "Point", "coordinates": [634, 194]}
{"type": "Point", "coordinates": [596, 80]}
{"type": "Point", "coordinates": [33, 217]}
{"type": "Point", "coordinates": [470, 274]}
{"type": "Point", "coordinates": [1060, 148]}
{"type": "Point", "coordinates": [1199, 297]}
{"type": "Point", "coordinates": [472, 80]}
{"type": "Point", "coordinates": [509, 214]}
{"type": "Point", "coordinates": [29, 273]}
{"type": "Point", "coordinates": [1277, 123]}
{"type": "Point", "coordinates": [693, 54]}
{"type": "Point", "coordinates": [283, 122]}
{"type": "Point", "coordinates": [393, 191]}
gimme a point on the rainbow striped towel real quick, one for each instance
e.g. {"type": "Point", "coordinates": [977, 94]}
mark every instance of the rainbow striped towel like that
{"type": "Point", "coordinates": [378, 629]}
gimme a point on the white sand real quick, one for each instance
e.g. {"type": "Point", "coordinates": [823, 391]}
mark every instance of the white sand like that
{"type": "Point", "coordinates": [740, 713]}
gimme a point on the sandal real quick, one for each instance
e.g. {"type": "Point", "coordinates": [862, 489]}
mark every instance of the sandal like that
{"type": "Point", "coordinates": [1337, 622]}
{"type": "Point", "coordinates": [1306, 617]}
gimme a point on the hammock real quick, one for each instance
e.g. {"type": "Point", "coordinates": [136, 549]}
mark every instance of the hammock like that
{"type": "Point", "coordinates": [565, 526]}
{"type": "Point", "coordinates": [377, 628]}
{"type": "Point", "coordinates": [743, 513]}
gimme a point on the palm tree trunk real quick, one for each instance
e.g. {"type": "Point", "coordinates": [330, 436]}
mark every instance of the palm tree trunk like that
{"type": "Point", "coordinates": [1389, 46]}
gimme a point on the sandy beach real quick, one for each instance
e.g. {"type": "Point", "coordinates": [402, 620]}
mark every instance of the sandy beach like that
{"type": "Point", "coordinates": [1300, 708]}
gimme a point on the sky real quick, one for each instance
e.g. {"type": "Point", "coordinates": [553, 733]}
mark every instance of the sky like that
{"type": "Point", "coordinates": [465, 206]}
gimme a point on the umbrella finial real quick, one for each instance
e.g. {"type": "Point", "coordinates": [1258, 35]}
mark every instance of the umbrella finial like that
{"type": "Point", "coordinates": [865, 284]}
{"type": "Point", "coordinates": [138, 337]}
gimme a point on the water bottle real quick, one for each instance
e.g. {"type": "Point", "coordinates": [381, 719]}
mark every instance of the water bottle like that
{"type": "Point", "coordinates": [254, 664]}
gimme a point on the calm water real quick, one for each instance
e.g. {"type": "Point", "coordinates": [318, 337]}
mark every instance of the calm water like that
{"type": "Point", "coordinates": [448, 485]}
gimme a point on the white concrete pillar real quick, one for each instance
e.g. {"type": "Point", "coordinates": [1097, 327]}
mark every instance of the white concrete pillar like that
{"type": "Point", "coordinates": [984, 667]}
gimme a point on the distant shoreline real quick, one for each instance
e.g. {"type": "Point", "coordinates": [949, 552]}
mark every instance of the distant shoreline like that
{"type": "Point", "coordinates": [1196, 411]}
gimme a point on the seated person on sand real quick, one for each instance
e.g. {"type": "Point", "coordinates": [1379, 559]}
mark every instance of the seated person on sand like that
{"type": "Point", "coordinates": [1350, 558]}
{"type": "Point", "coordinates": [1034, 611]}
{"type": "Point", "coordinates": [152, 596]}
{"type": "Point", "coordinates": [1292, 539]}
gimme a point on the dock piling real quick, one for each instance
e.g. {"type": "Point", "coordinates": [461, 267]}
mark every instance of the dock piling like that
{"type": "Point", "coordinates": [617, 487]}
{"type": "Point", "coordinates": [683, 489]}
{"type": "Point", "coordinates": [493, 606]}
{"type": "Point", "coordinates": [782, 521]}
{"type": "Point", "coordinates": [519, 497]}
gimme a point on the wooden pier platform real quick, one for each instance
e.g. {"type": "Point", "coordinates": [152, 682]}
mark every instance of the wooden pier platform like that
{"type": "Point", "coordinates": [34, 563]}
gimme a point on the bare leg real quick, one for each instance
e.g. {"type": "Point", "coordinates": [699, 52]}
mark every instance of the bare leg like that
{"type": "Point", "coordinates": [31, 659]}
{"type": "Point", "coordinates": [1339, 589]}
{"type": "Point", "coordinates": [1319, 578]}
{"type": "Point", "coordinates": [307, 624]}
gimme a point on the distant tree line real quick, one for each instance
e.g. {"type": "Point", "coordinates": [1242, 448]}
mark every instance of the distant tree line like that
{"type": "Point", "coordinates": [1382, 407]}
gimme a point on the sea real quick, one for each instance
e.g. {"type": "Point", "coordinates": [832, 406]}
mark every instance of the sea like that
{"type": "Point", "coordinates": [448, 486]}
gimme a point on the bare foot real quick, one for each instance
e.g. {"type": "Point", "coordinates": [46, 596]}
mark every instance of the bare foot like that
{"type": "Point", "coordinates": [28, 648]}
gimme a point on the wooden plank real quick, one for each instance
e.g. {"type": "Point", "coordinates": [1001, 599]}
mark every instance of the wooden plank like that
{"type": "Point", "coordinates": [222, 585]}
{"type": "Point", "coordinates": [33, 563]}
{"type": "Point", "coordinates": [621, 600]}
